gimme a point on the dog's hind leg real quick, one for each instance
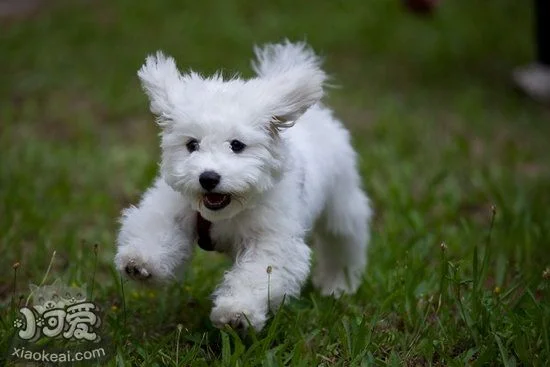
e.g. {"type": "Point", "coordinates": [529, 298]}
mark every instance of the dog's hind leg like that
{"type": "Point", "coordinates": [340, 242]}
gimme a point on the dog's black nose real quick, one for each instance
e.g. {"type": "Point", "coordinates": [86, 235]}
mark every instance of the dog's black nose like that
{"type": "Point", "coordinates": [209, 180]}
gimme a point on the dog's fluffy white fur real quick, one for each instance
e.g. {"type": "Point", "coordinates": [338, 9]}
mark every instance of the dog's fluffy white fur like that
{"type": "Point", "coordinates": [296, 176]}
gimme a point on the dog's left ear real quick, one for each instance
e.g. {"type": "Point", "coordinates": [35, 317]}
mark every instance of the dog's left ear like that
{"type": "Point", "coordinates": [294, 92]}
{"type": "Point", "coordinates": [161, 81]}
{"type": "Point", "coordinates": [293, 79]}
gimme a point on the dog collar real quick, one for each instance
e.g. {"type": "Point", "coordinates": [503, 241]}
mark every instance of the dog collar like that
{"type": "Point", "coordinates": [203, 231]}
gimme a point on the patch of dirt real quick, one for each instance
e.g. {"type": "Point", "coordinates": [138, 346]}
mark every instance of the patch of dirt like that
{"type": "Point", "coordinates": [6, 290]}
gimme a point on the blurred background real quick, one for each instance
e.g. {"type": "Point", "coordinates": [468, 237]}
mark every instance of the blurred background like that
{"type": "Point", "coordinates": [442, 133]}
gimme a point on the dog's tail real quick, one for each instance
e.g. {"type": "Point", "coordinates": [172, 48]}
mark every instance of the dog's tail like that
{"type": "Point", "coordinates": [277, 58]}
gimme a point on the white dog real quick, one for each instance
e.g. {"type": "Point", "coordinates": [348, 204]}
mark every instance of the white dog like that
{"type": "Point", "coordinates": [249, 168]}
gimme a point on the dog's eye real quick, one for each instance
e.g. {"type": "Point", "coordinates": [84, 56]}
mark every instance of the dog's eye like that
{"type": "Point", "coordinates": [192, 145]}
{"type": "Point", "coordinates": [237, 146]}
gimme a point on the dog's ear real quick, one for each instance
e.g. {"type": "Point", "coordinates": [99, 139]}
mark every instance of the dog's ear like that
{"type": "Point", "coordinates": [161, 80]}
{"type": "Point", "coordinates": [294, 92]}
{"type": "Point", "coordinates": [293, 78]}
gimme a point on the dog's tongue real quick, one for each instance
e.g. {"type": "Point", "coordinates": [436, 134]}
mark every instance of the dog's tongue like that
{"type": "Point", "coordinates": [215, 201]}
{"type": "Point", "coordinates": [215, 198]}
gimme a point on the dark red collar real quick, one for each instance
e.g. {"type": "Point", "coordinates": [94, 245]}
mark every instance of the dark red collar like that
{"type": "Point", "coordinates": [203, 231]}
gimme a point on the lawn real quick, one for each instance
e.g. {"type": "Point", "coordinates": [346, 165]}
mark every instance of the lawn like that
{"type": "Point", "coordinates": [455, 161]}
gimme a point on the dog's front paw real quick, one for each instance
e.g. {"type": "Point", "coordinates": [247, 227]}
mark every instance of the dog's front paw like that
{"type": "Point", "coordinates": [235, 313]}
{"type": "Point", "coordinates": [137, 270]}
{"type": "Point", "coordinates": [336, 283]}
{"type": "Point", "coordinates": [134, 265]}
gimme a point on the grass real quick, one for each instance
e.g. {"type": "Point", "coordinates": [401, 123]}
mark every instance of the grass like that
{"type": "Point", "coordinates": [455, 161]}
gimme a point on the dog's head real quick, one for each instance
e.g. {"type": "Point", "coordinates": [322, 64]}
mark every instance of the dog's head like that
{"type": "Point", "coordinates": [221, 143]}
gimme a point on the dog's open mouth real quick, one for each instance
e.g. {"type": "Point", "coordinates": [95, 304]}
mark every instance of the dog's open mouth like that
{"type": "Point", "coordinates": [214, 201]}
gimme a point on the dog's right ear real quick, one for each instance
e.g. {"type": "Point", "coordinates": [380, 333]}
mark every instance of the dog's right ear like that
{"type": "Point", "coordinates": [162, 81]}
